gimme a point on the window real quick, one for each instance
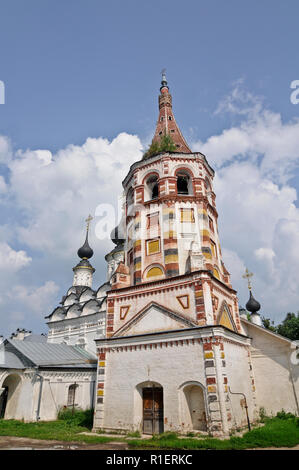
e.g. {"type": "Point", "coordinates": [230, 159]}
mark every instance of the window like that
{"type": "Point", "coordinates": [183, 183]}
{"type": "Point", "coordinates": [72, 395]}
{"type": "Point", "coordinates": [130, 197]}
{"type": "Point", "coordinates": [152, 220]}
{"type": "Point", "coordinates": [153, 187]}
{"type": "Point", "coordinates": [211, 224]}
{"type": "Point", "coordinates": [214, 249]}
{"type": "Point", "coordinates": [130, 257]}
{"type": "Point", "coordinates": [169, 118]}
{"type": "Point", "coordinates": [187, 215]}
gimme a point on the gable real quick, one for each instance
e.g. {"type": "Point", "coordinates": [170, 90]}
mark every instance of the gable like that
{"type": "Point", "coordinates": [225, 318]}
{"type": "Point", "coordinates": [154, 318]}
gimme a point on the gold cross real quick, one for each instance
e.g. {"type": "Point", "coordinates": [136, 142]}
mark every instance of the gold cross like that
{"type": "Point", "coordinates": [247, 276]}
{"type": "Point", "coordinates": [88, 220]}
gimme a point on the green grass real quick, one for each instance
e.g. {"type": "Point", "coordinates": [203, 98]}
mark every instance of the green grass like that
{"type": "Point", "coordinates": [50, 430]}
{"type": "Point", "coordinates": [281, 431]}
{"type": "Point", "coordinates": [276, 432]}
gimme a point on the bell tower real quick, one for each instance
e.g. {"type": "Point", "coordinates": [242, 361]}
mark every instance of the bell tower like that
{"type": "Point", "coordinates": [171, 228]}
{"type": "Point", "coordinates": [173, 326]}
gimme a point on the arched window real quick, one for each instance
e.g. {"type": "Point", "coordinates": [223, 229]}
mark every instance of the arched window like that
{"type": "Point", "coordinates": [130, 197]}
{"type": "Point", "coordinates": [71, 397]}
{"type": "Point", "coordinates": [152, 187]}
{"type": "Point", "coordinates": [184, 183]}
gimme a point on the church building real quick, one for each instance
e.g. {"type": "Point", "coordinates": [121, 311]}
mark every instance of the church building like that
{"type": "Point", "coordinates": [176, 354]}
{"type": "Point", "coordinates": [161, 345]}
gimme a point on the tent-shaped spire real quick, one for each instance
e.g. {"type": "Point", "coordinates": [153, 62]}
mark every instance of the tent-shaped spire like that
{"type": "Point", "coordinates": [166, 124]}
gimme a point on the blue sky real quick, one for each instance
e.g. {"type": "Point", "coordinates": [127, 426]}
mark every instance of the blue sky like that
{"type": "Point", "coordinates": [75, 70]}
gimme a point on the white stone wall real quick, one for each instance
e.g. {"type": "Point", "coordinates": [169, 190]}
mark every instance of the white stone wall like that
{"type": "Point", "coordinates": [23, 403]}
{"type": "Point", "coordinates": [170, 367]}
{"type": "Point", "coordinates": [78, 331]}
{"type": "Point", "coordinates": [237, 366]}
{"type": "Point", "coordinates": [276, 377]}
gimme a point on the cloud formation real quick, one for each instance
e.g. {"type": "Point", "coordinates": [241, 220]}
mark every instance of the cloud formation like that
{"type": "Point", "coordinates": [46, 198]}
{"type": "Point", "coordinates": [256, 162]}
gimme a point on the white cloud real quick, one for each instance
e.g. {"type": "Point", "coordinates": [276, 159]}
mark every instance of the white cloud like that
{"type": "Point", "coordinates": [3, 186]}
{"type": "Point", "coordinates": [5, 149]}
{"type": "Point", "coordinates": [11, 260]}
{"type": "Point", "coordinates": [50, 195]}
{"type": "Point", "coordinates": [258, 217]}
{"type": "Point", "coordinates": [36, 299]}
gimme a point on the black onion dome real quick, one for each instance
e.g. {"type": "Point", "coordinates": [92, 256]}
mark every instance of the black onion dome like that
{"type": "Point", "coordinates": [252, 305]}
{"type": "Point", "coordinates": [117, 236]}
{"type": "Point", "coordinates": [85, 251]}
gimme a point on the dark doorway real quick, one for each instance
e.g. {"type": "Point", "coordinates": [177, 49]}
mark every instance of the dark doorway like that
{"type": "Point", "coordinates": [3, 401]}
{"type": "Point", "coordinates": [152, 410]}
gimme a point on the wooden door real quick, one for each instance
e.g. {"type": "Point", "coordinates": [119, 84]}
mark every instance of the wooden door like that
{"type": "Point", "coordinates": [152, 410]}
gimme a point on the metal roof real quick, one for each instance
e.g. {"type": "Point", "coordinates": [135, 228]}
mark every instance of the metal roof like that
{"type": "Point", "coordinates": [8, 360]}
{"type": "Point", "coordinates": [52, 354]}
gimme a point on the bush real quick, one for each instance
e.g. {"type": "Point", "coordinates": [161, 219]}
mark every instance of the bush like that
{"type": "Point", "coordinates": [283, 415]}
{"type": "Point", "coordinates": [166, 144]}
{"type": "Point", "coordinates": [79, 417]}
{"type": "Point", "coordinates": [262, 414]}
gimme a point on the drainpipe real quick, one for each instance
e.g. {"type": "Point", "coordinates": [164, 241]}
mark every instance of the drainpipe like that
{"type": "Point", "coordinates": [39, 395]}
{"type": "Point", "coordinates": [245, 405]}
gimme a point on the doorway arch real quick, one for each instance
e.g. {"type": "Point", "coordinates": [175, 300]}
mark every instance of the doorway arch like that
{"type": "Point", "coordinates": [150, 407]}
{"type": "Point", "coordinates": [193, 406]}
{"type": "Point", "coordinates": [9, 398]}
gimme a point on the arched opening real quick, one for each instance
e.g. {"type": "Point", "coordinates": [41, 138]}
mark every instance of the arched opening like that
{"type": "Point", "coordinates": [3, 401]}
{"type": "Point", "coordinates": [9, 398]}
{"type": "Point", "coordinates": [151, 407]}
{"type": "Point", "coordinates": [184, 183]}
{"type": "Point", "coordinates": [193, 407]}
{"type": "Point", "coordinates": [152, 187]}
{"type": "Point", "coordinates": [130, 201]}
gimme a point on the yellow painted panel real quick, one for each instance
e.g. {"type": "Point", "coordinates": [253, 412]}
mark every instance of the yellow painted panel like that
{"type": "Point", "coordinates": [171, 259]}
{"type": "Point", "coordinates": [216, 273]}
{"type": "Point", "coordinates": [211, 388]}
{"type": "Point", "coordinates": [102, 363]}
{"type": "Point", "coordinates": [137, 267]}
{"type": "Point", "coordinates": [198, 293]}
{"type": "Point", "coordinates": [225, 320]}
{"type": "Point", "coordinates": [205, 233]}
{"type": "Point", "coordinates": [156, 271]}
{"type": "Point", "coordinates": [187, 215]}
{"type": "Point", "coordinates": [100, 393]}
{"type": "Point", "coordinates": [153, 247]}
{"type": "Point", "coordinates": [208, 355]}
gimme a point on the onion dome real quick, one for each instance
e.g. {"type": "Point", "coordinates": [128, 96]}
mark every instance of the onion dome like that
{"type": "Point", "coordinates": [117, 236]}
{"type": "Point", "coordinates": [252, 305]}
{"type": "Point", "coordinates": [85, 252]}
